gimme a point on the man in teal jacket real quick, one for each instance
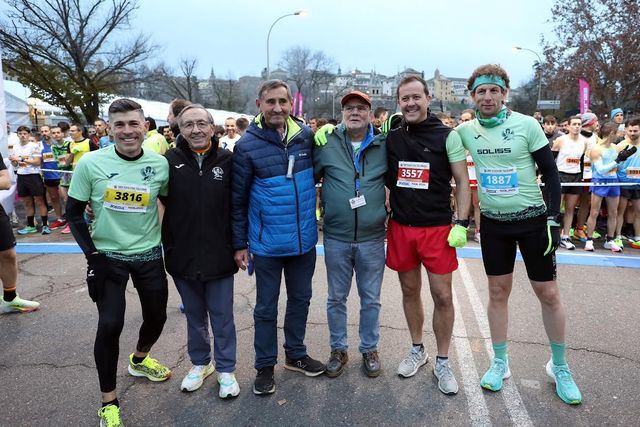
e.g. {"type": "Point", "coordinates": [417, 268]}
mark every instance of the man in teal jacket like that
{"type": "Point", "coordinates": [352, 164]}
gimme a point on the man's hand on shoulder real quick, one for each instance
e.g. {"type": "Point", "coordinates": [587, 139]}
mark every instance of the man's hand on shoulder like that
{"type": "Point", "coordinates": [320, 137]}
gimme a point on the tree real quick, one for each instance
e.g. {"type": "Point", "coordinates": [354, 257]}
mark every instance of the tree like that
{"type": "Point", "coordinates": [596, 40]}
{"type": "Point", "coordinates": [308, 70]}
{"type": "Point", "coordinates": [227, 94]}
{"type": "Point", "coordinates": [184, 85]}
{"type": "Point", "coordinates": [65, 51]}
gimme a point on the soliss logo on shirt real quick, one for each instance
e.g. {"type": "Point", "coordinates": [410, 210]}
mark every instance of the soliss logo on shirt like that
{"type": "Point", "coordinates": [217, 173]}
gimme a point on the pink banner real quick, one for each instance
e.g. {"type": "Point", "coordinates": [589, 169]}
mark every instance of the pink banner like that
{"type": "Point", "coordinates": [584, 96]}
{"type": "Point", "coordinates": [298, 100]}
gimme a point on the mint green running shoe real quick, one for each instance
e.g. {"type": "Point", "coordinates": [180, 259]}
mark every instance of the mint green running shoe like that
{"type": "Point", "coordinates": [492, 379]}
{"type": "Point", "coordinates": [566, 388]}
{"type": "Point", "coordinates": [27, 230]}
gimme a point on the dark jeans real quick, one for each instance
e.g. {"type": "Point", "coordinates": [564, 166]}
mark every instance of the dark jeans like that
{"type": "Point", "coordinates": [150, 281]}
{"type": "Point", "coordinates": [298, 271]}
{"type": "Point", "coordinates": [204, 302]}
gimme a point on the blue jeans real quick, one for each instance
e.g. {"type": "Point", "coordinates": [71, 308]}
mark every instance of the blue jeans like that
{"type": "Point", "coordinates": [298, 271]}
{"type": "Point", "coordinates": [212, 299]}
{"type": "Point", "coordinates": [367, 260]}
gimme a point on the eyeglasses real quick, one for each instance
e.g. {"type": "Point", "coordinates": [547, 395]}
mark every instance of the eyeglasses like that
{"type": "Point", "coordinates": [188, 126]}
{"type": "Point", "coordinates": [358, 108]}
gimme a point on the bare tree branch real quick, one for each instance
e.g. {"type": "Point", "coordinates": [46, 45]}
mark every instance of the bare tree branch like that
{"type": "Point", "coordinates": [65, 52]}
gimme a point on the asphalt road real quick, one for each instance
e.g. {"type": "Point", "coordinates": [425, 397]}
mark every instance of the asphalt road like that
{"type": "Point", "coordinates": [48, 374]}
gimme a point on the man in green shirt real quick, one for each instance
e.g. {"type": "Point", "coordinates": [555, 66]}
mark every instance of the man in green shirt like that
{"type": "Point", "coordinates": [122, 183]}
{"type": "Point", "coordinates": [506, 147]}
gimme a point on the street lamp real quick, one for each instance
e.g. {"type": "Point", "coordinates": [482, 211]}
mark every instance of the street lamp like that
{"type": "Point", "coordinates": [297, 13]}
{"type": "Point", "coordinates": [539, 69]}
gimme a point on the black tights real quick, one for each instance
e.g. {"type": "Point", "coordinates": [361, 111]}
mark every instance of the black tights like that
{"type": "Point", "coordinates": [150, 281]}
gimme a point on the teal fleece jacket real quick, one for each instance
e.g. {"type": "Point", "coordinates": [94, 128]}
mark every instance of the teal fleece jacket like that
{"type": "Point", "coordinates": [334, 164]}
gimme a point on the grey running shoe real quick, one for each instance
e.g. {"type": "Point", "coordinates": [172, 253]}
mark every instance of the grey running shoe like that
{"type": "Point", "coordinates": [416, 358]}
{"type": "Point", "coordinates": [446, 381]}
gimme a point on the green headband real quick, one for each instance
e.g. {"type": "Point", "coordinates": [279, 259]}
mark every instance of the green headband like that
{"type": "Point", "coordinates": [488, 79]}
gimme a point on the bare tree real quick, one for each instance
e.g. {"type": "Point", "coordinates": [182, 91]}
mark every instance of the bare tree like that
{"type": "Point", "coordinates": [184, 85]}
{"type": "Point", "coordinates": [227, 94]}
{"type": "Point", "coordinates": [64, 51]}
{"type": "Point", "coordinates": [309, 70]}
{"type": "Point", "coordinates": [596, 40]}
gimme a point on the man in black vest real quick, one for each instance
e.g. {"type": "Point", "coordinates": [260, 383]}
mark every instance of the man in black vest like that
{"type": "Point", "coordinates": [423, 156]}
{"type": "Point", "coordinates": [196, 235]}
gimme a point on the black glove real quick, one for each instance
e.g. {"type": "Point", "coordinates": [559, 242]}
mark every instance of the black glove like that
{"type": "Point", "coordinates": [551, 235]}
{"type": "Point", "coordinates": [626, 153]}
{"type": "Point", "coordinates": [97, 272]}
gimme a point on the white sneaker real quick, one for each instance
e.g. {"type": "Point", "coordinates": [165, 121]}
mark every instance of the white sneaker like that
{"type": "Point", "coordinates": [18, 305]}
{"type": "Point", "coordinates": [228, 385]}
{"type": "Point", "coordinates": [446, 380]}
{"type": "Point", "coordinates": [589, 246]}
{"type": "Point", "coordinates": [476, 237]}
{"type": "Point", "coordinates": [414, 360]}
{"type": "Point", "coordinates": [565, 243]}
{"type": "Point", "coordinates": [194, 379]}
{"type": "Point", "coordinates": [612, 246]}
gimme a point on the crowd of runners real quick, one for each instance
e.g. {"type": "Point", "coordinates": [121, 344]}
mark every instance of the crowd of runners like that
{"type": "Point", "coordinates": [201, 203]}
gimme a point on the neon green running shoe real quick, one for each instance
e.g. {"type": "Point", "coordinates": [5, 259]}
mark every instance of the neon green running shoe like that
{"type": "Point", "coordinates": [492, 379]}
{"type": "Point", "coordinates": [566, 388]}
{"type": "Point", "coordinates": [149, 368]}
{"type": "Point", "coordinates": [596, 235]}
{"type": "Point", "coordinates": [110, 416]}
{"type": "Point", "coordinates": [18, 305]}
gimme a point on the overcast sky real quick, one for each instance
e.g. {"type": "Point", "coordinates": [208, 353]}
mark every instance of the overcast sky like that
{"type": "Point", "coordinates": [385, 36]}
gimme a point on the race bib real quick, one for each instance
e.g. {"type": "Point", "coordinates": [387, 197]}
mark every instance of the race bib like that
{"type": "Point", "coordinates": [586, 172]}
{"type": "Point", "coordinates": [413, 175]}
{"type": "Point", "coordinates": [48, 157]}
{"type": "Point", "coordinates": [499, 181]}
{"type": "Point", "coordinates": [471, 169]}
{"type": "Point", "coordinates": [126, 197]}
{"type": "Point", "coordinates": [573, 161]}
{"type": "Point", "coordinates": [633, 172]}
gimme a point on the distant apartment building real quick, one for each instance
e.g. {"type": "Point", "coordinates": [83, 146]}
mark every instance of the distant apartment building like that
{"type": "Point", "coordinates": [448, 89]}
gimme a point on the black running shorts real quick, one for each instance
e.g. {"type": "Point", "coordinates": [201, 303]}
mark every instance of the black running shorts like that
{"type": "Point", "coordinates": [7, 239]}
{"type": "Point", "coordinates": [499, 242]}
{"type": "Point", "coordinates": [30, 185]}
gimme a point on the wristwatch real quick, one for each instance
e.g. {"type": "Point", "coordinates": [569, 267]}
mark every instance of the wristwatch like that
{"type": "Point", "coordinates": [462, 222]}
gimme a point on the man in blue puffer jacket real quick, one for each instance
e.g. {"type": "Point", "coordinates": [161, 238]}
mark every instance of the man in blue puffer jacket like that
{"type": "Point", "coordinates": [273, 221]}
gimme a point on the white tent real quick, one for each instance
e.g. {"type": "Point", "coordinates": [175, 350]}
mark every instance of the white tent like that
{"type": "Point", "coordinates": [6, 196]}
{"type": "Point", "coordinates": [159, 111]}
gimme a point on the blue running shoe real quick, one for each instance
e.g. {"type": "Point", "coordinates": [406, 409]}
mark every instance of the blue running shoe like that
{"type": "Point", "coordinates": [566, 388]}
{"type": "Point", "coordinates": [492, 379]}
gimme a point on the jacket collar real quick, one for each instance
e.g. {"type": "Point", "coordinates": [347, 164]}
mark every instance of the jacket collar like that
{"type": "Point", "coordinates": [293, 128]}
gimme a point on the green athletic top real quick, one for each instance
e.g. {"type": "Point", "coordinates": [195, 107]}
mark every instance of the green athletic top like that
{"type": "Point", "coordinates": [505, 167]}
{"type": "Point", "coordinates": [123, 195]}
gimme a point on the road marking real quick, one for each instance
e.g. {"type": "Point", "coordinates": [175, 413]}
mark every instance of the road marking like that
{"type": "Point", "coordinates": [472, 252]}
{"type": "Point", "coordinates": [478, 411]}
{"type": "Point", "coordinates": [510, 394]}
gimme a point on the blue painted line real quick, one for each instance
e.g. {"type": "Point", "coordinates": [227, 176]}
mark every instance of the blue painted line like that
{"type": "Point", "coordinates": [562, 257]}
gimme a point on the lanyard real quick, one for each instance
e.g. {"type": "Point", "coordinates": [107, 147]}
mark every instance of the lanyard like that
{"type": "Point", "coordinates": [356, 157]}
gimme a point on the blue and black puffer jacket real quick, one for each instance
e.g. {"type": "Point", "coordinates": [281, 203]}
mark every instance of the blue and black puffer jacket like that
{"type": "Point", "coordinates": [271, 213]}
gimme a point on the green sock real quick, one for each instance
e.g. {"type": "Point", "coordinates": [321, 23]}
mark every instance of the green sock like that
{"type": "Point", "coordinates": [557, 353]}
{"type": "Point", "coordinates": [500, 351]}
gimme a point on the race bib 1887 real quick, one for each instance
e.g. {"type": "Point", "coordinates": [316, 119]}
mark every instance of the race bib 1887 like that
{"type": "Point", "coordinates": [413, 175]}
{"type": "Point", "coordinates": [499, 181]}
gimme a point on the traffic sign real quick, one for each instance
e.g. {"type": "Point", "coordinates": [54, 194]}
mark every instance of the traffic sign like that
{"type": "Point", "coordinates": [548, 104]}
